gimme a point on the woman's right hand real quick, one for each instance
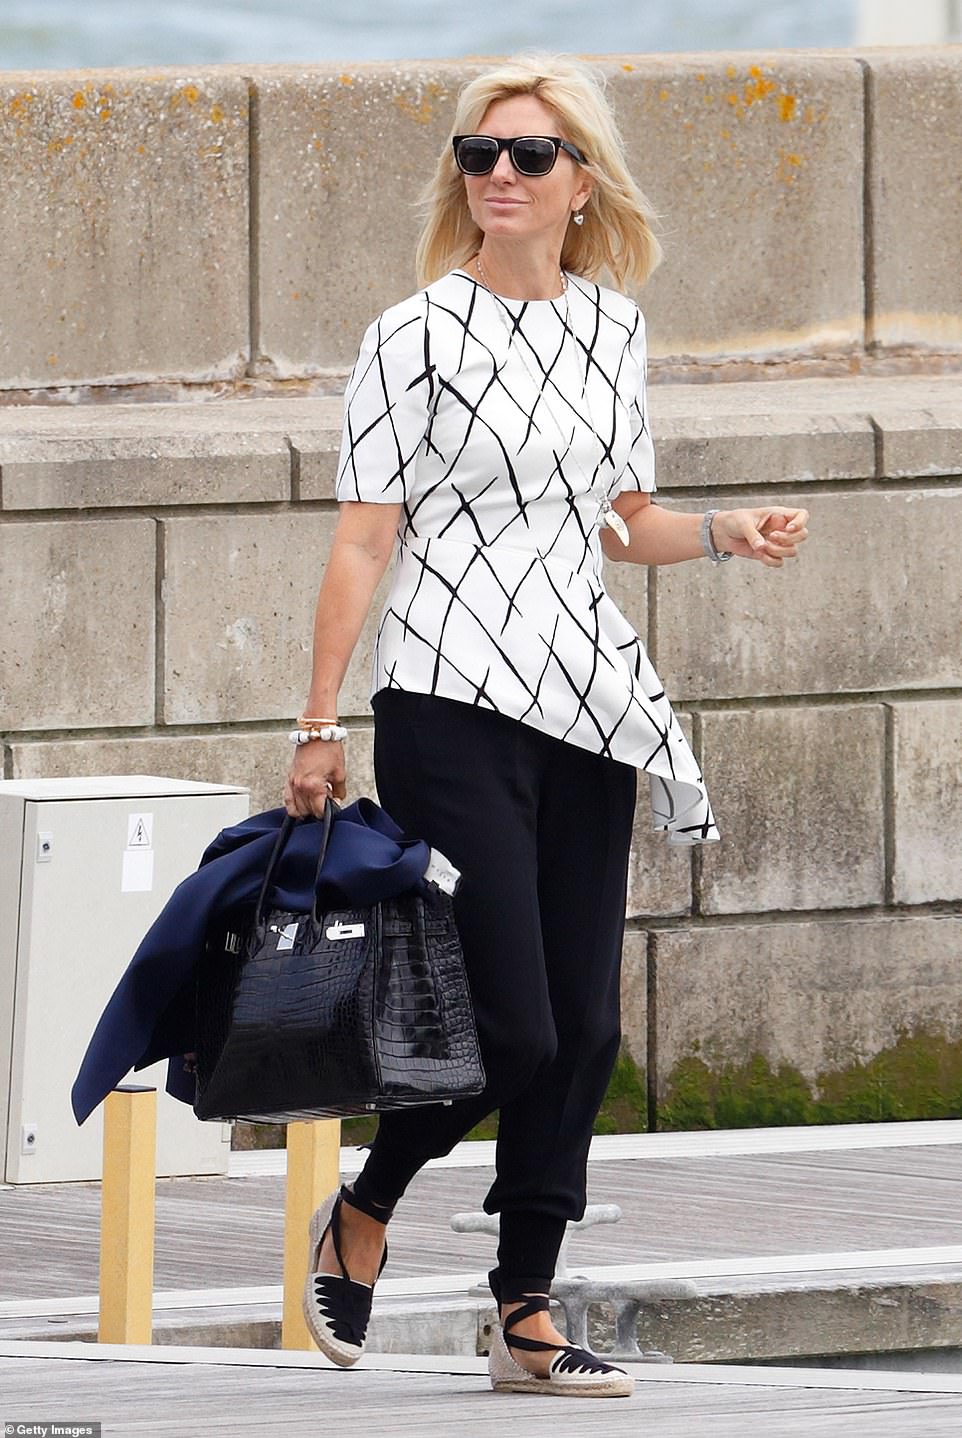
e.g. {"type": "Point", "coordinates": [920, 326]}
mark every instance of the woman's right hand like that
{"type": "Point", "coordinates": [317, 773]}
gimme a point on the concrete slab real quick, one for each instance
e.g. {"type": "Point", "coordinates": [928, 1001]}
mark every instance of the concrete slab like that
{"type": "Point", "coordinates": [57, 582]}
{"type": "Point", "coordinates": [770, 773]}
{"type": "Point", "coordinates": [928, 801]}
{"type": "Point", "coordinates": [914, 119]}
{"type": "Point", "coordinates": [129, 190]}
{"type": "Point", "coordinates": [733, 631]}
{"type": "Point", "coordinates": [766, 148]}
{"type": "Point", "coordinates": [822, 997]}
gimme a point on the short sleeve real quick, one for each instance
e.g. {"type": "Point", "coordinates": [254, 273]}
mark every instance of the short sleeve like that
{"type": "Point", "coordinates": [639, 472]}
{"type": "Point", "coordinates": [387, 406]}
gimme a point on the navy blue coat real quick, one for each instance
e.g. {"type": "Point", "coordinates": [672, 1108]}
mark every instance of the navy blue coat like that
{"type": "Point", "coordinates": [150, 1014]}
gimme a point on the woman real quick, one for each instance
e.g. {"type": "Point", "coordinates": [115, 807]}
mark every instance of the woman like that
{"type": "Point", "coordinates": [496, 442]}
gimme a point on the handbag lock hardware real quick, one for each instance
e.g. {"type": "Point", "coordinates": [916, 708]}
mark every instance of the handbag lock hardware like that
{"type": "Point", "coordinates": [345, 931]}
{"type": "Point", "coordinates": [288, 933]}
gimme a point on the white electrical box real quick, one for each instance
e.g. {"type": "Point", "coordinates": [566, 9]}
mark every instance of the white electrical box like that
{"type": "Point", "coordinates": [86, 865]}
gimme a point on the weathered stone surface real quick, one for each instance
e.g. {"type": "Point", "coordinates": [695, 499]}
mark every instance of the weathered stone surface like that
{"type": "Point", "coordinates": [185, 468]}
{"type": "Point", "coordinates": [755, 163]}
{"type": "Point", "coordinates": [798, 796]}
{"type": "Point", "coordinates": [628, 586]}
{"type": "Point", "coordinates": [76, 624]}
{"type": "Point", "coordinates": [928, 801]}
{"type": "Point", "coordinates": [128, 192]}
{"type": "Point", "coordinates": [915, 188]}
{"type": "Point", "coordinates": [240, 594]}
{"type": "Point", "coordinates": [920, 443]}
{"type": "Point", "coordinates": [819, 996]}
{"type": "Point", "coordinates": [316, 457]}
{"type": "Point", "coordinates": [259, 760]}
{"type": "Point", "coordinates": [766, 151]}
{"type": "Point", "coordinates": [634, 996]}
{"type": "Point", "coordinates": [797, 402]}
{"type": "Point", "coordinates": [659, 873]}
{"type": "Point", "coordinates": [337, 228]}
{"type": "Point", "coordinates": [855, 611]}
{"type": "Point", "coordinates": [714, 449]}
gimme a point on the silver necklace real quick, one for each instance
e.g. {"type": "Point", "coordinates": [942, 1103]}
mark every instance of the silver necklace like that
{"type": "Point", "coordinates": [606, 514]}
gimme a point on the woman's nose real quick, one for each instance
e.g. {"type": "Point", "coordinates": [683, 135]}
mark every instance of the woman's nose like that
{"type": "Point", "coordinates": [503, 169]}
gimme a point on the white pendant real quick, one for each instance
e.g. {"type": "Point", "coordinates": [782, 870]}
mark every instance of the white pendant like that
{"type": "Point", "coordinates": [614, 521]}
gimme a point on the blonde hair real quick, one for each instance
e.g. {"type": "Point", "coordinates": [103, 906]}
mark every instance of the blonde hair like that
{"type": "Point", "coordinates": [617, 233]}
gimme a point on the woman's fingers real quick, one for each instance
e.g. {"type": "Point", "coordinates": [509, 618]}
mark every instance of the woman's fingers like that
{"type": "Point", "coordinates": [314, 778]}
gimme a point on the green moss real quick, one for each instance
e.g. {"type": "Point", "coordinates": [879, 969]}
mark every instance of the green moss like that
{"type": "Point", "coordinates": [918, 1077]}
{"type": "Point", "coordinates": [625, 1107]}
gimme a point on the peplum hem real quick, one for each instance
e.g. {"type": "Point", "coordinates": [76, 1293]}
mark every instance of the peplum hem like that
{"type": "Point", "coordinates": [526, 635]}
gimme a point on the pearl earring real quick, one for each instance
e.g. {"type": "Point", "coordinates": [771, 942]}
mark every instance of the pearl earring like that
{"type": "Point", "coordinates": [578, 217]}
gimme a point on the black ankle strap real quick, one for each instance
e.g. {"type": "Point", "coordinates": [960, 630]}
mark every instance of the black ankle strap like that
{"type": "Point", "coordinates": [373, 1210]}
{"type": "Point", "coordinates": [532, 1303]}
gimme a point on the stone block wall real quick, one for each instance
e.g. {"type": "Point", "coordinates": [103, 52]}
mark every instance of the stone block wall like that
{"type": "Point", "coordinates": [158, 570]}
{"type": "Point", "coordinates": [159, 558]}
{"type": "Point", "coordinates": [224, 227]}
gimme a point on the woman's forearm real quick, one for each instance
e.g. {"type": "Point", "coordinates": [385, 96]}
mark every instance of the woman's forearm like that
{"type": "Point", "coordinates": [360, 554]}
{"type": "Point", "coordinates": [658, 536]}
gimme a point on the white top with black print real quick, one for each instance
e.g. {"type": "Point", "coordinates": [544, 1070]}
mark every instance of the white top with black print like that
{"type": "Point", "coordinates": [498, 425]}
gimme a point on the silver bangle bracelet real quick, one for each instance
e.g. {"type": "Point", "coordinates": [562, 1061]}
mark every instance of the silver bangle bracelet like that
{"type": "Point", "coordinates": [708, 544]}
{"type": "Point", "coordinates": [335, 733]}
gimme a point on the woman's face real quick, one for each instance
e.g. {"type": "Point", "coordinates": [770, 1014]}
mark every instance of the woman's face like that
{"type": "Point", "coordinates": [507, 204]}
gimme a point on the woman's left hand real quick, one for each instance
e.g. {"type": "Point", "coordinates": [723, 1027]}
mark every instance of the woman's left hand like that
{"type": "Point", "coordinates": [771, 535]}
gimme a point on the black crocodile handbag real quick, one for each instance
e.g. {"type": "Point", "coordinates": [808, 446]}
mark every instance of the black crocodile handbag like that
{"type": "Point", "coordinates": [320, 1015]}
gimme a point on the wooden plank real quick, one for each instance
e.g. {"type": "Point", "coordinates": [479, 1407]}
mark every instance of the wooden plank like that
{"type": "Point", "coordinates": [228, 1232]}
{"type": "Point", "coordinates": [168, 1401]}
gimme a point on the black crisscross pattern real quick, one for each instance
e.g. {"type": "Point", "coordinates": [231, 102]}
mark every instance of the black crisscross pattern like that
{"type": "Point", "coordinates": [343, 1307]}
{"type": "Point", "coordinates": [496, 438]}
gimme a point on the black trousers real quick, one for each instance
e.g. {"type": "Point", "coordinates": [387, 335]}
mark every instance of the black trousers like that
{"type": "Point", "coordinates": [540, 831]}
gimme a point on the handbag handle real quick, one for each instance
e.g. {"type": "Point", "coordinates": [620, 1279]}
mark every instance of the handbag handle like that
{"type": "Point", "coordinates": [283, 834]}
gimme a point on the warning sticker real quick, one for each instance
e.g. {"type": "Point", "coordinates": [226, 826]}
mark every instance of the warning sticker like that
{"type": "Point", "coordinates": [140, 831]}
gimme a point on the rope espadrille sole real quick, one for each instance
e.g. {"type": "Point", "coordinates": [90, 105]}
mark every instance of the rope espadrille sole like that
{"type": "Point", "coordinates": [573, 1373]}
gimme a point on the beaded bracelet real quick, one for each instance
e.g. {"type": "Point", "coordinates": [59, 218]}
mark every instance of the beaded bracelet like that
{"type": "Point", "coordinates": [331, 732]}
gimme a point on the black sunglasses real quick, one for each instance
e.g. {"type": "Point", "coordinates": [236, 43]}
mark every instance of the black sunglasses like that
{"type": "Point", "coordinates": [530, 154]}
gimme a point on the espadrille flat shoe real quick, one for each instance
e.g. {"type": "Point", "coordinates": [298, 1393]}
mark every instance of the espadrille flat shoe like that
{"type": "Point", "coordinates": [337, 1309]}
{"type": "Point", "coordinates": [573, 1372]}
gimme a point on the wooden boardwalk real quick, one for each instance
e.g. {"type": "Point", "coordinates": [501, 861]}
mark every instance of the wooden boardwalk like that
{"type": "Point", "coordinates": [173, 1393]}
{"type": "Point", "coordinates": [228, 1232]}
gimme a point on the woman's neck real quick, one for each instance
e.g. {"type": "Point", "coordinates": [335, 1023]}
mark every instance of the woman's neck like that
{"type": "Point", "coordinates": [518, 273]}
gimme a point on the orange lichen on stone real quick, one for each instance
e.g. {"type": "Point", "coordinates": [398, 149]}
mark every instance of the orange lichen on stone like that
{"type": "Point", "coordinates": [788, 163]}
{"type": "Point", "coordinates": [20, 104]}
{"type": "Point", "coordinates": [758, 87]}
{"type": "Point", "coordinates": [51, 359]}
{"type": "Point", "coordinates": [216, 114]}
{"type": "Point", "coordinates": [627, 67]}
{"type": "Point", "coordinates": [79, 100]}
{"type": "Point", "coordinates": [422, 113]}
{"type": "Point", "coordinates": [191, 94]}
{"type": "Point", "coordinates": [345, 79]}
{"type": "Point", "coordinates": [786, 107]}
{"type": "Point", "coordinates": [663, 94]}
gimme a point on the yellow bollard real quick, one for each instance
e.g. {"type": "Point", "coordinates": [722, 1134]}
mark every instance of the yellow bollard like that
{"type": "Point", "coordinates": [127, 1216]}
{"type": "Point", "coordinates": [313, 1171]}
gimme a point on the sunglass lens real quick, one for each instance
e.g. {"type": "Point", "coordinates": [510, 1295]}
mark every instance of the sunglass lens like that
{"type": "Point", "coordinates": [477, 155]}
{"type": "Point", "coordinates": [533, 156]}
